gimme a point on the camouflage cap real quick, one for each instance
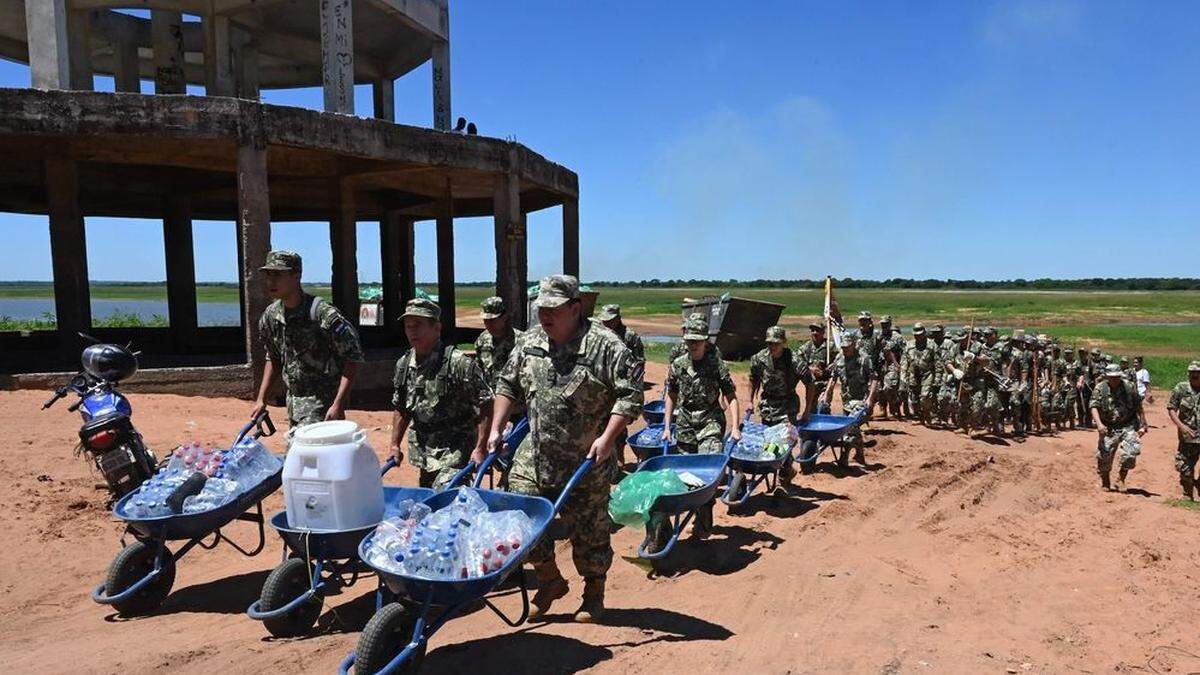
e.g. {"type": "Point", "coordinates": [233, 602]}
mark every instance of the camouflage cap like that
{"type": "Point", "coordinates": [864, 315]}
{"type": "Point", "coordinates": [850, 339]}
{"type": "Point", "coordinates": [1018, 334]}
{"type": "Point", "coordinates": [695, 327]}
{"type": "Point", "coordinates": [937, 328]}
{"type": "Point", "coordinates": [1194, 367]}
{"type": "Point", "coordinates": [282, 261]}
{"type": "Point", "coordinates": [776, 334]}
{"type": "Point", "coordinates": [989, 330]}
{"type": "Point", "coordinates": [1125, 360]}
{"type": "Point", "coordinates": [1113, 370]}
{"type": "Point", "coordinates": [423, 307]}
{"type": "Point", "coordinates": [1095, 351]}
{"type": "Point", "coordinates": [817, 326]}
{"type": "Point", "coordinates": [886, 319]}
{"type": "Point", "coordinates": [493, 307]}
{"type": "Point", "coordinates": [609, 312]}
{"type": "Point", "coordinates": [918, 328]}
{"type": "Point", "coordinates": [557, 290]}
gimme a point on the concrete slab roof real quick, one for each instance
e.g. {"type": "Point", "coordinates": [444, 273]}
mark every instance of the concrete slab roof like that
{"type": "Point", "coordinates": [133, 149]}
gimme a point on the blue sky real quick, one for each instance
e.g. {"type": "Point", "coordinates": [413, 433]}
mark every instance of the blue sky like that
{"type": "Point", "coordinates": [984, 140]}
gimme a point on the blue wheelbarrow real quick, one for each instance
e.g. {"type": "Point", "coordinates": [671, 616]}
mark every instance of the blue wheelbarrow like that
{"type": "Point", "coordinates": [745, 475]}
{"type": "Point", "coordinates": [141, 575]}
{"type": "Point", "coordinates": [679, 509]}
{"type": "Point", "coordinates": [822, 432]}
{"type": "Point", "coordinates": [409, 609]}
{"type": "Point", "coordinates": [654, 411]}
{"type": "Point", "coordinates": [647, 442]}
{"type": "Point", "coordinates": [318, 563]}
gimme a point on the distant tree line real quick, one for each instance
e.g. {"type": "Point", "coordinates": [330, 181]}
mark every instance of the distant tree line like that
{"type": "Point", "coordinates": [1093, 284]}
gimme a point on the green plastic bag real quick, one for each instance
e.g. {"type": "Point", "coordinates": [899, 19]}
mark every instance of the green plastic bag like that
{"type": "Point", "coordinates": [630, 503]}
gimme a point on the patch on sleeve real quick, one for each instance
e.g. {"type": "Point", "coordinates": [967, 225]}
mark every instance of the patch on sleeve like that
{"type": "Point", "coordinates": [637, 371]}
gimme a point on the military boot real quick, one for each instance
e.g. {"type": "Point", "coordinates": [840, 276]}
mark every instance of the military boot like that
{"type": "Point", "coordinates": [1188, 489]}
{"type": "Point", "coordinates": [551, 586]}
{"type": "Point", "coordinates": [702, 526]}
{"type": "Point", "coordinates": [592, 609]}
{"type": "Point", "coordinates": [1104, 481]}
{"type": "Point", "coordinates": [859, 455]}
{"type": "Point", "coordinates": [1121, 480]}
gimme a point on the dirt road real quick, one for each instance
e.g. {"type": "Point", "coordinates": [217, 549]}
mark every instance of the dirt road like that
{"type": "Point", "coordinates": [944, 554]}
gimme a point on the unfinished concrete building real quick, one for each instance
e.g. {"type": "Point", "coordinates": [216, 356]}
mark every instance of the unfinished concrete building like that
{"type": "Point", "coordinates": [71, 152]}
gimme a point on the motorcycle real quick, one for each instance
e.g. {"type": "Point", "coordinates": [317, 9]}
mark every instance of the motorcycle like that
{"type": "Point", "coordinates": [108, 436]}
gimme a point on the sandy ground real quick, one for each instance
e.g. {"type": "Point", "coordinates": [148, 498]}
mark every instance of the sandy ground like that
{"type": "Point", "coordinates": [944, 554]}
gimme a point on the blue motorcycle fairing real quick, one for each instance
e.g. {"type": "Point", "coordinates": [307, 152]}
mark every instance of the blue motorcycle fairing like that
{"type": "Point", "coordinates": [106, 403]}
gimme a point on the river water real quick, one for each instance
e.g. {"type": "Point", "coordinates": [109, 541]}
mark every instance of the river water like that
{"type": "Point", "coordinates": [208, 313]}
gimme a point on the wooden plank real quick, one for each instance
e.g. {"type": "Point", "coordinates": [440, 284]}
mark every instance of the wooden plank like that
{"type": "Point", "coordinates": [68, 247]}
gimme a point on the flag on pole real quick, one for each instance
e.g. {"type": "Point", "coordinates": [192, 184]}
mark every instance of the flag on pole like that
{"type": "Point", "coordinates": [833, 315]}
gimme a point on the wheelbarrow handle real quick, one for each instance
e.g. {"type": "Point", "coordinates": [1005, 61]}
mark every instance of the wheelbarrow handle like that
{"type": "Point", "coordinates": [518, 433]}
{"type": "Point", "coordinates": [666, 447]}
{"type": "Point", "coordinates": [458, 477]}
{"type": "Point", "coordinates": [730, 444]}
{"type": "Point", "coordinates": [387, 466]}
{"type": "Point", "coordinates": [257, 423]}
{"type": "Point", "coordinates": [574, 481]}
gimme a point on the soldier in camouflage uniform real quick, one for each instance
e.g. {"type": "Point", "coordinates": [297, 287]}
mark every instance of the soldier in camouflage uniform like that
{"type": "Point", "coordinates": [680, 348]}
{"type": "Point", "coordinates": [989, 360]}
{"type": "Point", "coordinates": [776, 373]}
{"type": "Point", "coordinates": [610, 316]}
{"type": "Point", "coordinates": [941, 348]}
{"type": "Point", "coordinates": [1120, 422]}
{"type": "Point", "coordinates": [442, 395]}
{"type": "Point", "coordinates": [859, 382]}
{"type": "Point", "coordinates": [496, 342]}
{"type": "Point", "coordinates": [952, 397]}
{"type": "Point", "coordinates": [894, 391]}
{"type": "Point", "coordinates": [309, 342]}
{"type": "Point", "coordinates": [870, 349]}
{"type": "Point", "coordinates": [815, 357]}
{"type": "Point", "coordinates": [1084, 385]}
{"type": "Point", "coordinates": [920, 362]}
{"type": "Point", "coordinates": [696, 383]}
{"type": "Point", "coordinates": [1184, 411]}
{"type": "Point", "coordinates": [1068, 384]}
{"type": "Point", "coordinates": [582, 389]}
{"type": "Point", "coordinates": [1018, 370]}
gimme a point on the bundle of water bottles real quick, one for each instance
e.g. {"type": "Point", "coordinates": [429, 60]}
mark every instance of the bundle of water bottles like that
{"type": "Point", "coordinates": [762, 443]}
{"type": "Point", "coordinates": [459, 541]}
{"type": "Point", "coordinates": [197, 479]}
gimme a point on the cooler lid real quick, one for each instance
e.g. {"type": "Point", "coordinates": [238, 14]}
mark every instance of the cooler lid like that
{"type": "Point", "coordinates": [336, 432]}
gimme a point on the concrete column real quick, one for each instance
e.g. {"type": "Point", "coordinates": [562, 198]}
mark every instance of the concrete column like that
{"type": "Point", "coordinates": [218, 56]}
{"type": "Point", "coordinates": [245, 64]}
{"type": "Point", "coordinates": [166, 32]}
{"type": "Point", "coordinates": [445, 263]}
{"type": "Point", "coordinates": [398, 264]}
{"type": "Point", "coordinates": [337, 56]}
{"type": "Point", "coordinates": [68, 247]}
{"type": "Point", "coordinates": [79, 30]}
{"type": "Point", "coordinates": [441, 86]}
{"type": "Point", "coordinates": [343, 241]}
{"type": "Point", "coordinates": [49, 50]}
{"type": "Point", "coordinates": [512, 273]}
{"type": "Point", "coordinates": [126, 79]}
{"type": "Point", "coordinates": [570, 237]}
{"type": "Point", "coordinates": [254, 242]}
{"type": "Point", "coordinates": [181, 267]}
{"type": "Point", "coordinates": [384, 92]}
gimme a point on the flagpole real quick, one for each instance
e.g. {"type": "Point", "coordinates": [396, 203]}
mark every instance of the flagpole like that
{"type": "Point", "coordinates": [828, 334]}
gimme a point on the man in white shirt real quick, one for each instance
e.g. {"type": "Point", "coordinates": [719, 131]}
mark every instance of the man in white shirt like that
{"type": "Point", "coordinates": [1143, 379]}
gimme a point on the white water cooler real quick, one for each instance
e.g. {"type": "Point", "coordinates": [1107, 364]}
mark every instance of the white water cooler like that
{"type": "Point", "coordinates": [331, 478]}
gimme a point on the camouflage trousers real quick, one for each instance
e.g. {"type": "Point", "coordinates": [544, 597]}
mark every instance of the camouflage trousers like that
{"type": "Point", "coordinates": [308, 409]}
{"type": "Point", "coordinates": [1185, 463]}
{"type": "Point", "coordinates": [439, 464]}
{"type": "Point", "coordinates": [708, 446]}
{"type": "Point", "coordinates": [584, 516]}
{"type": "Point", "coordinates": [947, 399]}
{"type": "Point", "coordinates": [922, 397]}
{"type": "Point", "coordinates": [438, 478]}
{"type": "Point", "coordinates": [851, 408]}
{"type": "Point", "coordinates": [773, 411]}
{"type": "Point", "coordinates": [981, 408]}
{"type": "Point", "coordinates": [1124, 439]}
{"type": "Point", "coordinates": [889, 389]}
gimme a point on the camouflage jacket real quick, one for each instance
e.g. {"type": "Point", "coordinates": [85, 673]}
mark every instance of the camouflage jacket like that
{"type": "Point", "coordinates": [1020, 365]}
{"type": "Point", "coordinates": [493, 352]}
{"type": "Point", "coordinates": [814, 354]}
{"type": "Point", "coordinates": [941, 353]}
{"type": "Point", "coordinates": [1186, 404]}
{"type": "Point", "coordinates": [896, 344]}
{"type": "Point", "coordinates": [1117, 408]}
{"type": "Point", "coordinates": [633, 342]}
{"type": "Point", "coordinates": [442, 398]}
{"type": "Point", "coordinates": [870, 349]}
{"type": "Point", "coordinates": [920, 363]}
{"type": "Point", "coordinates": [310, 344]}
{"type": "Point", "coordinates": [696, 387]}
{"type": "Point", "coordinates": [570, 390]}
{"type": "Point", "coordinates": [990, 351]}
{"type": "Point", "coordinates": [776, 381]}
{"type": "Point", "coordinates": [855, 375]}
{"type": "Point", "coordinates": [948, 353]}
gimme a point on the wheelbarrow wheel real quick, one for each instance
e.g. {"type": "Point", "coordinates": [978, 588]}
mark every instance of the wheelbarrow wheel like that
{"type": "Point", "coordinates": [385, 636]}
{"type": "Point", "coordinates": [287, 582]}
{"type": "Point", "coordinates": [808, 451]}
{"type": "Point", "coordinates": [131, 565]}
